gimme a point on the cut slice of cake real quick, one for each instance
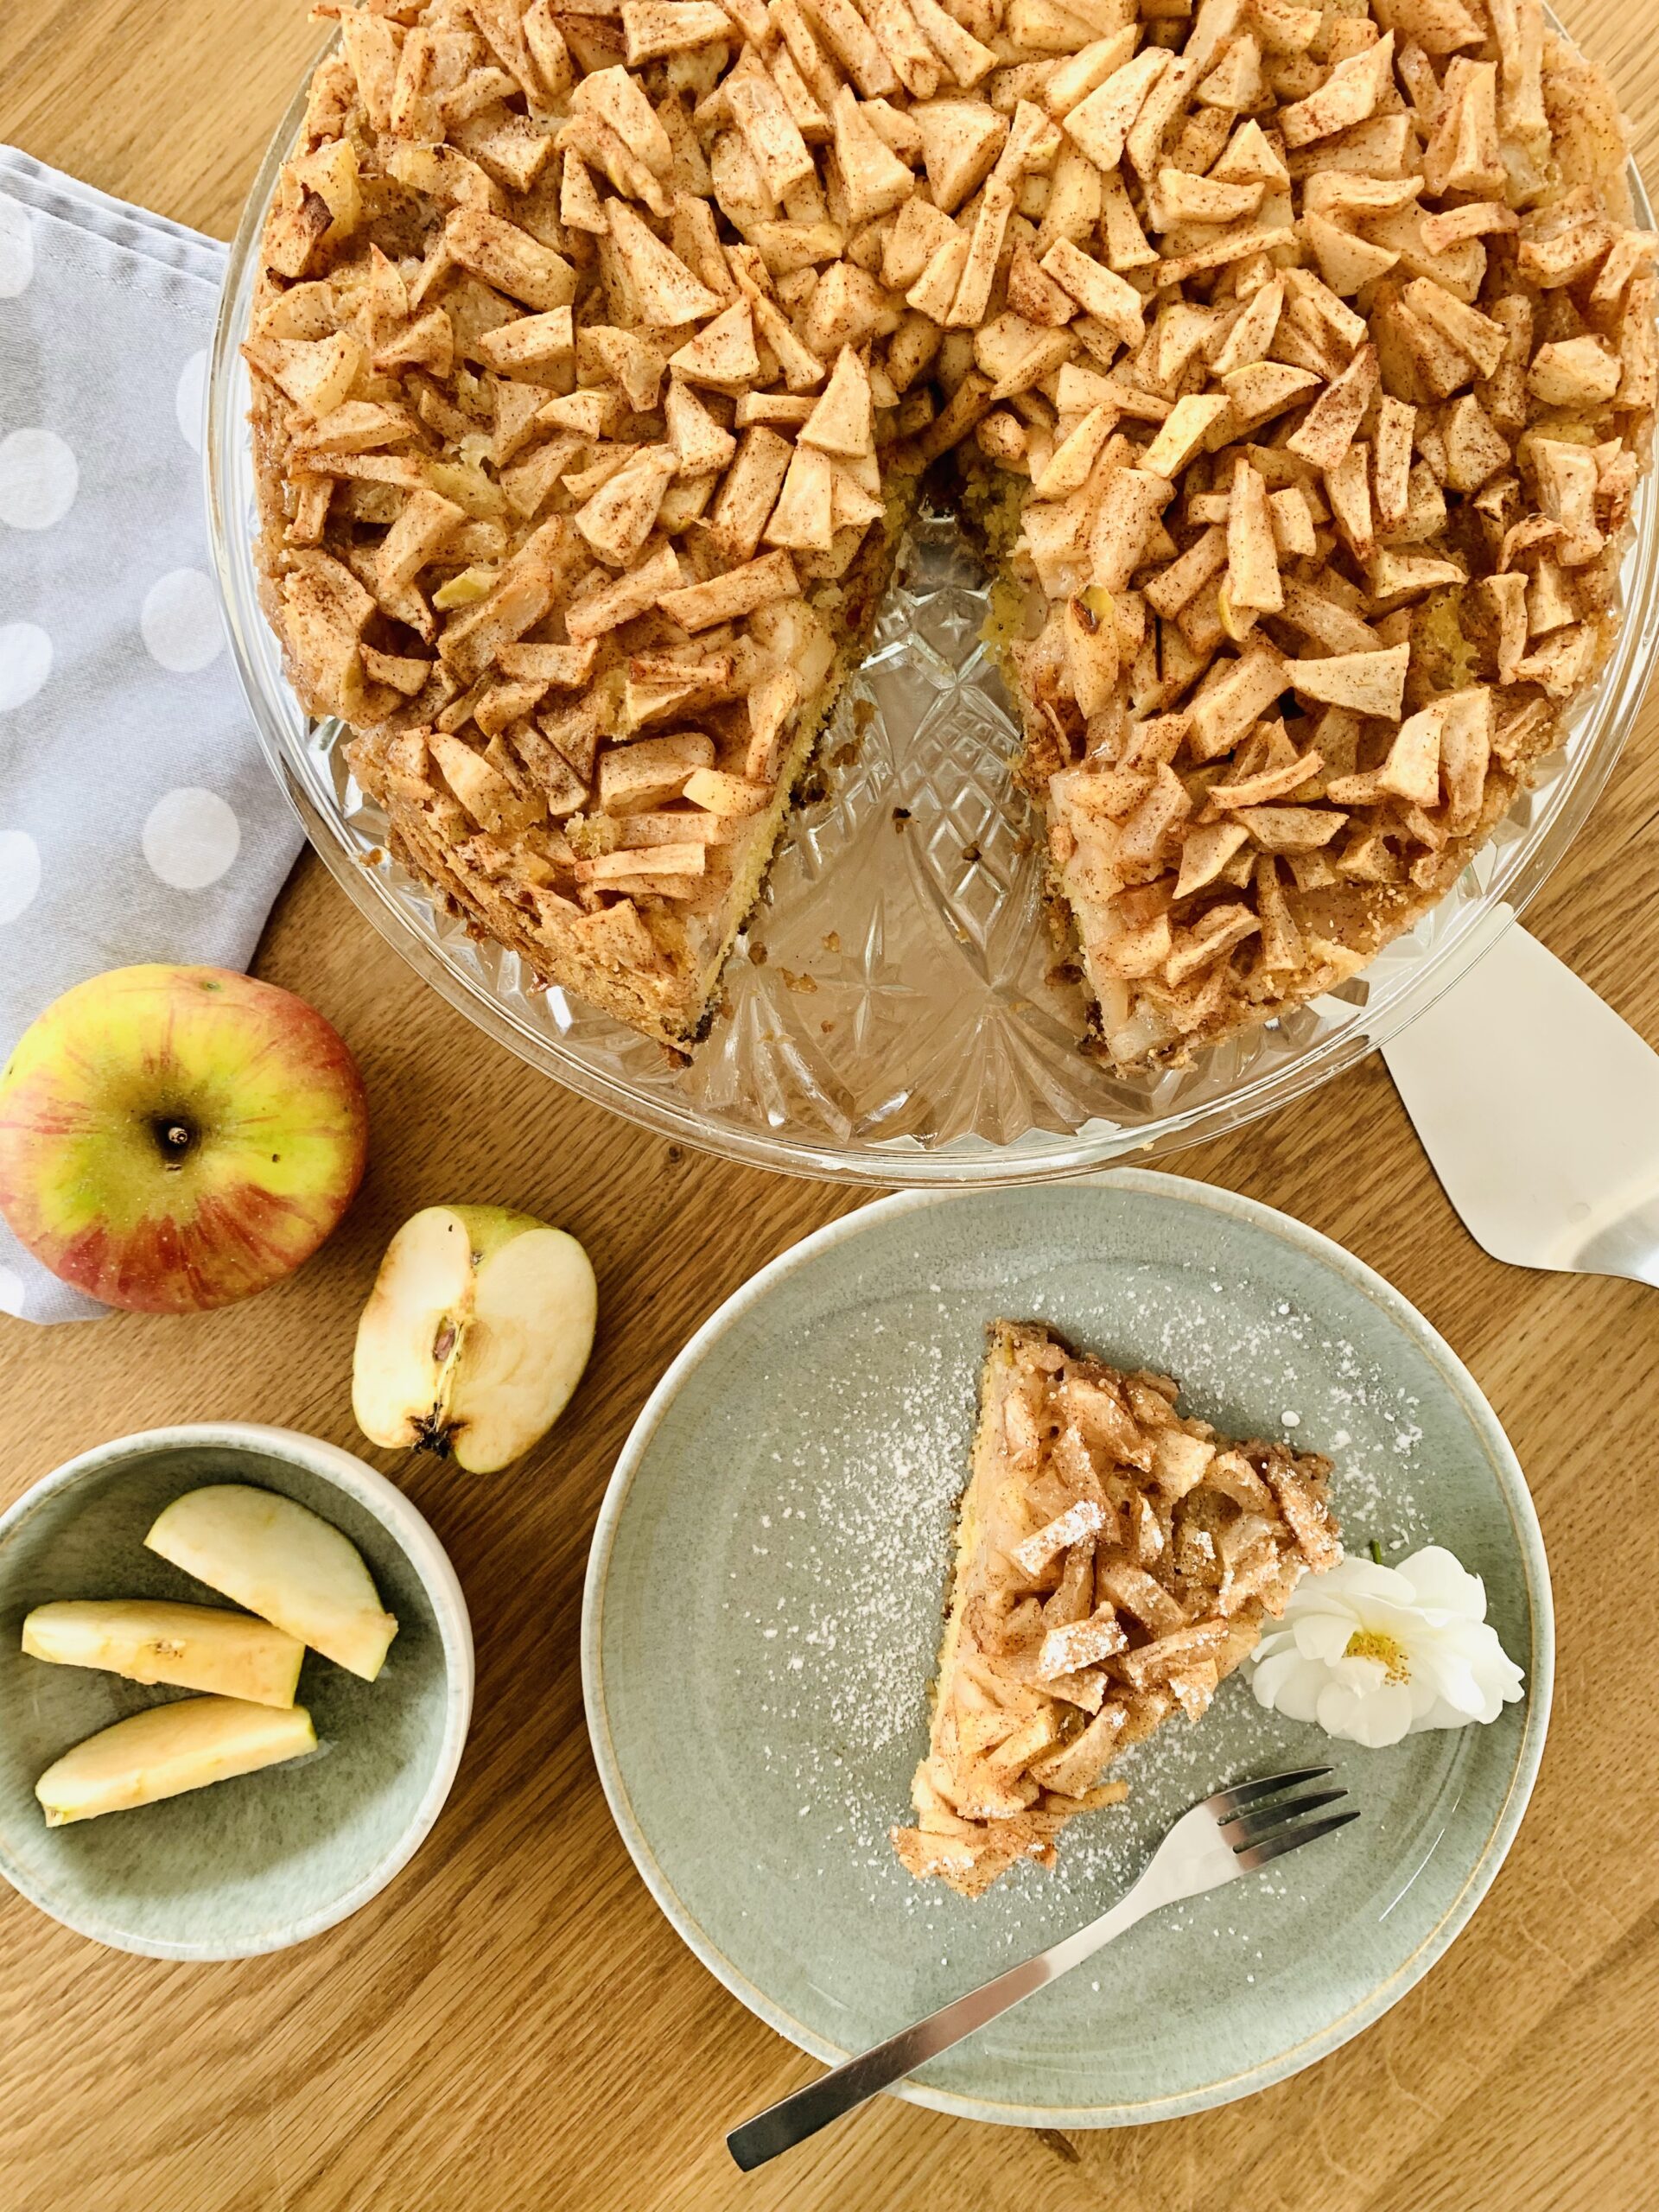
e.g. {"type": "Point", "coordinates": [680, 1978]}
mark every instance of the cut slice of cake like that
{"type": "Point", "coordinates": [1114, 1562]}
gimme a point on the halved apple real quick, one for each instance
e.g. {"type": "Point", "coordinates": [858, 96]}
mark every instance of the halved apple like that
{"type": "Point", "coordinates": [283, 1562]}
{"type": "Point", "coordinates": [474, 1336]}
{"type": "Point", "coordinates": [168, 1750]}
{"type": "Point", "coordinates": [191, 1647]}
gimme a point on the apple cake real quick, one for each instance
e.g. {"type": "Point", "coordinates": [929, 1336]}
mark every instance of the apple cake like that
{"type": "Point", "coordinates": [1114, 1562]}
{"type": "Point", "coordinates": [1296, 364]}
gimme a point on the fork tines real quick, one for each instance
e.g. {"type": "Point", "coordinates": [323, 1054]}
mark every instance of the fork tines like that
{"type": "Point", "coordinates": [1254, 1855]}
{"type": "Point", "coordinates": [1225, 1802]}
{"type": "Point", "coordinates": [1268, 1820]}
{"type": "Point", "coordinates": [1260, 1831]}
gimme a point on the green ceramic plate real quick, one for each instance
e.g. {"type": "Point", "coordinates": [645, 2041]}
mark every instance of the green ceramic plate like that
{"type": "Point", "coordinates": [763, 1605]}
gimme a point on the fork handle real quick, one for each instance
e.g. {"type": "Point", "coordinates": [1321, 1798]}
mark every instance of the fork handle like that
{"type": "Point", "coordinates": [857, 2080]}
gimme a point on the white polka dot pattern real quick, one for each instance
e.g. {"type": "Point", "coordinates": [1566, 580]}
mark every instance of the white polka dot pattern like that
{"type": "Point", "coordinates": [136, 822]}
{"type": "Point", "coordinates": [191, 838]}
{"type": "Point", "coordinates": [20, 873]}
{"type": "Point", "coordinates": [190, 401]}
{"type": "Point", "coordinates": [25, 662]}
{"type": "Point", "coordinates": [180, 621]}
{"type": "Point", "coordinates": [16, 249]}
{"type": "Point", "coordinates": [39, 478]}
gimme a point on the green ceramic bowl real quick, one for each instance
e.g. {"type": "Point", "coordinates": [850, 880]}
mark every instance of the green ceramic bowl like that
{"type": "Point", "coordinates": [259, 1863]}
{"type": "Point", "coordinates": [763, 1611]}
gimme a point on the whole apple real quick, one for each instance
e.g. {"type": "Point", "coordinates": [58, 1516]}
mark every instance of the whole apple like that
{"type": "Point", "coordinates": [173, 1139]}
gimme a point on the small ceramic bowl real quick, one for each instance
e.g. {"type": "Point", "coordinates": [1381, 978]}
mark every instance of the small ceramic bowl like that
{"type": "Point", "coordinates": [255, 1864]}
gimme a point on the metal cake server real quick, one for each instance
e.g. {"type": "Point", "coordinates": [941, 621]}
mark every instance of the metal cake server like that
{"type": "Point", "coordinates": [1539, 1109]}
{"type": "Point", "coordinates": [1233, 1832]}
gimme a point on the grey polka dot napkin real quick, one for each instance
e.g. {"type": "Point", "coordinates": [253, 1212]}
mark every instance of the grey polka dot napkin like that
{"type": "Point", "coordinates": [137, 819]}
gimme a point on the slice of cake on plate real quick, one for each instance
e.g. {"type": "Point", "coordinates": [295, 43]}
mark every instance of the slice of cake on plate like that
{"type": "Point", "coordinates": [1114, 1562]}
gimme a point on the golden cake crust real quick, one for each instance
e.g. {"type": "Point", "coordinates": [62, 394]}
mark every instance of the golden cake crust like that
{"type": "Point", "coordinates": [1115, 1562]}
{"type": "Point", "coordinates": [1301, 359]}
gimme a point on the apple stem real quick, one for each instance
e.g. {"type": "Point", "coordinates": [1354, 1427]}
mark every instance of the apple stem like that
{"type": "Point", "coordinates": [176, 1140]}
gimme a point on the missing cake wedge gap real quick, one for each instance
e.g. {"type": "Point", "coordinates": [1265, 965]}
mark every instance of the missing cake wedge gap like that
{"type": "Point", "coordinates": [1115, 1562]}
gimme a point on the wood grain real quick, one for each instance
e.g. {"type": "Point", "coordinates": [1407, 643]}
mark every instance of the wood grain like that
{"type": "Point", "coordinates": [513, 2026]}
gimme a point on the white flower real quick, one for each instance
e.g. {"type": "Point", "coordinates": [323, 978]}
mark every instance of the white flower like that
{"type": "Point", "coordinates": [1375, 1653]}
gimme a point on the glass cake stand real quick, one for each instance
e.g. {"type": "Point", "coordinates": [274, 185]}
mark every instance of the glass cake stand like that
{"type": "Point", "coordinates": [888, 1016]}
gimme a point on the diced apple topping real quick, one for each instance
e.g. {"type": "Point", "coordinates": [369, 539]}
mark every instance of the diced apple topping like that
{"type": "Point", "coordinates": [1314, 339]}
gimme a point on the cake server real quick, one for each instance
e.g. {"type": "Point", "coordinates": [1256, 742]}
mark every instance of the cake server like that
{"type": "Point", "coordinates": [1539, 1109]}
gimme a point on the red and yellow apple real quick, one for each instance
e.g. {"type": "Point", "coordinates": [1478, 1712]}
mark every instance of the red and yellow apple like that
{"type": "Point", "coordinates": [177, 1138]}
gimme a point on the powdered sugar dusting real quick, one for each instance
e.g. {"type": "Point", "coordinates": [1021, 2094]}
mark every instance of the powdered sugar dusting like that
{"type": "Point", "coordinates": [836, 1643]}
{"type": "Point", "coordinates": [882, 1500]}
{"type": "Point", "coordinates": [775, 1599]}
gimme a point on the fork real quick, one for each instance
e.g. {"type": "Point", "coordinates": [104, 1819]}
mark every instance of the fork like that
{"type": "Point", "coordinates": [1233, 1832]}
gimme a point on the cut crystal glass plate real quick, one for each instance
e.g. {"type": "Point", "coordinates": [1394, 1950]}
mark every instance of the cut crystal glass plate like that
{"type": "Point", "coordinates": [889, 1015]}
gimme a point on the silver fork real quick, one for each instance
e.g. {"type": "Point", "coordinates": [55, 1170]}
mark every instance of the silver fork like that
{"type": "Point", "coordinates": [1232, 1833]}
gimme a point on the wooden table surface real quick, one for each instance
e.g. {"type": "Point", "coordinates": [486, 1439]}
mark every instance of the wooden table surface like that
{"type": "Point", "coordinates": [513, 2027]}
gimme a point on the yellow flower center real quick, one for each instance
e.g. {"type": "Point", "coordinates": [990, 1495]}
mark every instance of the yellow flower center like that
{"type": "Point", "coordinates": [1371, 1644]}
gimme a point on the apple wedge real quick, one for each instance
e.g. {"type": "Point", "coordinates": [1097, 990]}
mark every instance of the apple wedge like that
{"type": "Point", "coordinates": [474, 1336]}
{"type": "Point", "coordinates": [283, 1562]}
{"type": "Point", "coordinates": [190, 1647]}
{"type": "Point", "coordinates": [168, 1749]}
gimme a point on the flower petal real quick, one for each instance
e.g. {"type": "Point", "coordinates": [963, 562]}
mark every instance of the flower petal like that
{"type": "Point", "coordinates": [1455, 1681]}
{"type": "Point", "coordinates": [1369, 1578]}
{"type": "Point", "coordinates": [1424, 1698]}
{"type": "Point", "coordinates": [1439, 1580]}
{"type": "Point", "coordinates": [1338, 1703]}
{"type": "Point", "coordinates": [1441, 1665]}
{"type": "Point", "coordinates": [1404, 1623]}
{"type": "Point", "coordinates": [1463, 1692]}
{"type": "Point", "coordinates": [1475, 1645]}
{"type": "Point", "coordinates": [1375, 1718]}
{"type": "Point", "coordinates": [1324, 1636]}
{"type": "Point", "coordinates": [1288, 1684]}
